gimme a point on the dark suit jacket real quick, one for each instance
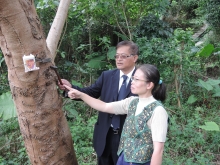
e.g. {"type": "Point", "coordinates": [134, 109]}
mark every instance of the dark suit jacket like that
{"type": "Point", "coordinates": [105, 87]}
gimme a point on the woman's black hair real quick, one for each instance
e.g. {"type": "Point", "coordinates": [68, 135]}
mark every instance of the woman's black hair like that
{"type": "Point", "coordinates": [152, 75]}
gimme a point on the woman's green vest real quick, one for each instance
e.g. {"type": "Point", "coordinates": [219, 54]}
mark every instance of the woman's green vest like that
{"type": "Point", "coordinates": [136, 139]}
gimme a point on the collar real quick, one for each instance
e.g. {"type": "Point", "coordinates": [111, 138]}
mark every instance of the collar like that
{"type": "Point", "coordinates": [147, 100]}
{"type": "Point", "coordinates": [129, 74]}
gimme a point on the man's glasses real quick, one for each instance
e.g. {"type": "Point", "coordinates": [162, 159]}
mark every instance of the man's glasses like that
{"type": "Point", "coordinates": [122, 56]}
{"type": "Point", "coordinates": [136, 79]}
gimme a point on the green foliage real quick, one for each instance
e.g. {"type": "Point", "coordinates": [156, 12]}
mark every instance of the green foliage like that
{"type": "Point", "coordinates": [210, 9]}
{"type": "Point", "coordinates": [12, 148]}
{"type": "Point", "coordinates": [82, 133]}
{"type": "Point", "coordinates": [1, 59]}
{"type": "Point", "coordinates": [4, 87]}
{"type": "Point", "coordinates": [168, 53]}
{"type": "Point", "coordinates": [152, 27]}
{"type": "Point", "coordinates": [7, 107]}
{"type": "Point", "coordinates": [186, 144]}
{"type": "Point", "coordinates": [81, 122]}
{"type": "Point", "coordinates": [97, 25]}
{"type": "Point", "coordinates": [44, 4]}
{"type": "Point", "coordinates": [184, 14]}
{"type": "Point", "coordinates": [46, 9]}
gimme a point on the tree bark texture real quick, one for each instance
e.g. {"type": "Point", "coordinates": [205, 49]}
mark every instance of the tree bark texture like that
{"type": "Point", "coordinates": [39, 107]}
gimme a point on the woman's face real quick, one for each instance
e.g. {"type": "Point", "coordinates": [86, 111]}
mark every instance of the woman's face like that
{"type": "Point", "coordinates": [139, 83]}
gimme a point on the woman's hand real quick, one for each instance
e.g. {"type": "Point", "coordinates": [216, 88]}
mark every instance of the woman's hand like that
{"type": "Point", "coordinates": [73, 93]}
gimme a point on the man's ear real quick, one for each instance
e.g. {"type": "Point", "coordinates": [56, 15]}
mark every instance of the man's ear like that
{"type": "Point", "coordinates": [135, 58]}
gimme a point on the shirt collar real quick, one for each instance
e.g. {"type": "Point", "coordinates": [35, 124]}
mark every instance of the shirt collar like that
{"type": "Point", "coordinates": [129, 74]}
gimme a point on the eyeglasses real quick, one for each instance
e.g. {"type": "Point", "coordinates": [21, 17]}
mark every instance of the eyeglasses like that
{"type": "Point", "coordinates": [136, 79]}
{"type": "Point", "coordinates": [122, 56]}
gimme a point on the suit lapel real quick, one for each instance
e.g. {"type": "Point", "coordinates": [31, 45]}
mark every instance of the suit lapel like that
{"type": "Point", "coordinates": [115, 82]}
{"type": "Point", "coordinates": [128, 91]}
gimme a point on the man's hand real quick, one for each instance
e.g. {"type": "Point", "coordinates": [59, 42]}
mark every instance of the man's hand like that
{"type": "Point", "coordinates": [65, 82]}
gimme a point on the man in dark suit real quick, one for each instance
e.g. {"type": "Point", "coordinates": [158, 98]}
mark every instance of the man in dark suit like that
{"type": "Point", "coordinates": [106, 135]}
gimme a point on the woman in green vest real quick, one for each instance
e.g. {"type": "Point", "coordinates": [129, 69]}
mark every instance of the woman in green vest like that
{"type": "Point", "coordinates": [145, 128]}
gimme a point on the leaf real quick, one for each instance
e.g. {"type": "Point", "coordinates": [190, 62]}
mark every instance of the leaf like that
{"type": "Point", "coordinates": [63, 54]}
{"type": "Point", "coordinates": [1, 61]}
{"type": "Point", "coordinates": [213, 82]}
{"type": "Point", "coordinates": [111, 53]}
{"type": "Point", "coordinates": [77, 83]}
{"type": "Point", "coordinates": [216, 92]}
{"type": "Point", "coordinates": [56, 3]}
{"type": "Point", "coordinates": [191, 99]}
{"type": "Point", "coordinates": [210, 126]}
{"type": "Point", "coordinates": [7, 107]}
{"type": "Point", "coordinates": [206, 51]}
{"type": "Point", "coordinates": [206, 85]}
{"type": "Point", "coordinates": [97, 62]}
{"type": "Point", "coordinates": [73, 113]}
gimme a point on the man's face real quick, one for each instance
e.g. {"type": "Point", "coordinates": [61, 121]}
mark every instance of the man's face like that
{"type": "Point", "coordinates": [30, 63]}
{"type": "Point", "coordinates": [127, 63]}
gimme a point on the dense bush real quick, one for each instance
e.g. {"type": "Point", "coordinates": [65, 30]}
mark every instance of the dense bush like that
{"type": "Point", "coordinates": [153, 27]}
{"type": "Point", "coordinates": [12, 150]}
{"type": "Point", "coordinates": [211, 11]}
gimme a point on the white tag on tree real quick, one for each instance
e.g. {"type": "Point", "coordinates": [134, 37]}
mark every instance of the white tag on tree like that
{"type": "Point", "coordinates": [29, 63]}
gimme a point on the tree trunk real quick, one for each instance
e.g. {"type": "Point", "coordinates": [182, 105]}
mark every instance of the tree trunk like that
{"type": "Point", "coordinates": [39, 107]}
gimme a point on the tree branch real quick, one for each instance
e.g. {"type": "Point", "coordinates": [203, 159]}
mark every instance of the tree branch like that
{"type": "Point", "coordinates": [126, 20]}
{"type": "Point", "coordinates": [117, 20]}
{"type": "Point", "coordinates": [57, 27]}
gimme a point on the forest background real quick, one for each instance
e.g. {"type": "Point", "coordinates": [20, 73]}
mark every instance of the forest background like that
{"type": "Point", "coordinates": [180, 37]}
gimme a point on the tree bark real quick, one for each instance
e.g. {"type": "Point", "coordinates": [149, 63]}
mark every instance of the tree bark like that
{"type": "Point", "coordinates": [39, 107]}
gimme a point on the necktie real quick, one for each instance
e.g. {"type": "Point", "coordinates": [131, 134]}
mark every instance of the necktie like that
{"type": "Point", "coordinates": [121, 96]}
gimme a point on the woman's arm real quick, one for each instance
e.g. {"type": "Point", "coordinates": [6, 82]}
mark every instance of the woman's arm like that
{"type": "Point", "coordinates": [92, 102]}
{"type": "Point", "coordinates": [157, 155]}
{"type": "Point", "coordinates": [159, 131]}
